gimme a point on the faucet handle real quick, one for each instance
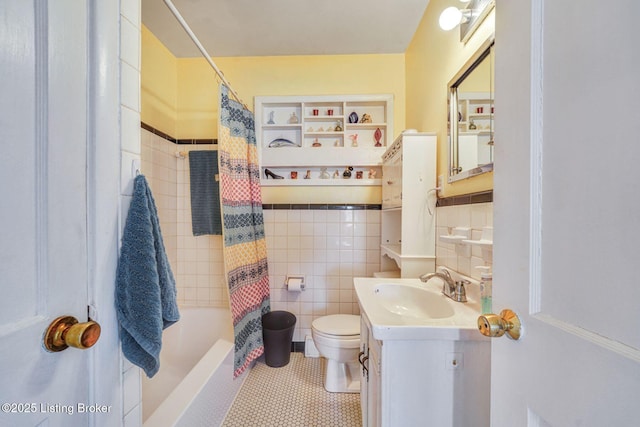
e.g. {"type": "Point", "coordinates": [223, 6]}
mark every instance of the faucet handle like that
{"type": "Point", "coordinates": [461, 292]}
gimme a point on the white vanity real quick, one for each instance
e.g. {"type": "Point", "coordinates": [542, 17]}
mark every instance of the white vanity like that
{"type": "Point", "coordinates": [423, 361]}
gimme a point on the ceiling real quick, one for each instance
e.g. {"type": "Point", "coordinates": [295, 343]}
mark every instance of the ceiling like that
{"type": "Point", "coordinates": [286, 27]}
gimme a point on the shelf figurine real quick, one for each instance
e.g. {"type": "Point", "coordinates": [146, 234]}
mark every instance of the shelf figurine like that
{"type": "Point", "coordinates": [338, 127]}
{"type": "Point", "coordinates": [324, 174]}
{"type": "Point", "coordinates": [377, 135]}
{"type": "Point", "coordinates": [316, 143]}
{"type": "Point", "coordinates": [359, 174]}
{"type": "Point", "coordinates": [336, 174]}
{"type": "Point", "coordinates": [354, 139]}
{"type": "Point", "coordinates": [294, 175]}
{"type": "Point", "coordinates": [372, 173]}
{"type": "Point", "coordinates": [308, 175]}
{"type": "Point", "coordinates": [271, 121]}
{"type": "Point", "coordinates": [293, 119]}
{"type": "Point", "coordinates": [347, 172]}
{"type": "Point", "coordinates": [365, 118]}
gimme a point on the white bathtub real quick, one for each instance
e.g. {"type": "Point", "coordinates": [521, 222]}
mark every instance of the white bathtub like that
{"type": "Point", "coordinates": [195, 385]}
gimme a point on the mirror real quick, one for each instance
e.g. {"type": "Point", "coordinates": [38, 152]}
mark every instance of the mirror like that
{"type": "Point", "coordinates": [471, 103]}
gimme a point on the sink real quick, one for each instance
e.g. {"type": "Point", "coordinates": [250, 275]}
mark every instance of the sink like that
{"type": "Point", "coordinates": [412, 301]}
{"type": "Point", "coordinates": [408, 309]}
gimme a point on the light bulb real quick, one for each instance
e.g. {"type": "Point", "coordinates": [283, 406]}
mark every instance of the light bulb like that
{"type": "Point", "coordinates": [449, 18]}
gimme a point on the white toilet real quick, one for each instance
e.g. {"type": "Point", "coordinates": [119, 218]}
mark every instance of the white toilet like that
{"type": "Point", "coordinates": [337, 338]}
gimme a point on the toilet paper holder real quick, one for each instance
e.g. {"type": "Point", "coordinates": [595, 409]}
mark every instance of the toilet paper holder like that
{"type": "Point", "coordinates": [295, 283]}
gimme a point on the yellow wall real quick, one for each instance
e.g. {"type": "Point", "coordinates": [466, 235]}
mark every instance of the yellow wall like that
{"type": "Point", "coordinates": [158, 81]}
{"type": "Point", "coordinates": [432, 59]}
{"type": "Point", "coordinates": [289, 75]}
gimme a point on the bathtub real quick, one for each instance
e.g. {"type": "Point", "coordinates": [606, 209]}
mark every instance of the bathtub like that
{"type": "Point", "coordinates": [195, 385]}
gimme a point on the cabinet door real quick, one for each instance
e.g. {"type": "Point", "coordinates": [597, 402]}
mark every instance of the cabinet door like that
{"type": "Point", "coordinates": [364, 352]}
{"type": "Point", "coordinates": [392, 182]}
{"type": "Point", "coordinates": [374, 415]}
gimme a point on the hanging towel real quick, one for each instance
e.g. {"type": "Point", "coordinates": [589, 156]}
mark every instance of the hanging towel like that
{"type": "Point", "coordinates": [205, 193]}
{"type": "Point", "coordinates": [145, 287]}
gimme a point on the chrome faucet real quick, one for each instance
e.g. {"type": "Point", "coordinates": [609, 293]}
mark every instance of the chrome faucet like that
{"type": "Point", "coordinates": [450, 288]}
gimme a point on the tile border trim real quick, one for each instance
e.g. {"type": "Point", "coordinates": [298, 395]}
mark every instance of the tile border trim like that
{"type": "Point", "coordinates": [321, 206]}
{"type": "Point", "coordinates": [466, 199]}
{"type": "Point", "coordinates": [169, 138]}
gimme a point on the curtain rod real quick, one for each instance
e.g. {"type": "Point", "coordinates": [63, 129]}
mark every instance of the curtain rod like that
{"type": "Point", "coordinates": [193, 37]}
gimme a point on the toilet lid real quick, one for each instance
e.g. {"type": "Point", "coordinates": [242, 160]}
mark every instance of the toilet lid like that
{"type": "Point", "coordinates": [338, 324]}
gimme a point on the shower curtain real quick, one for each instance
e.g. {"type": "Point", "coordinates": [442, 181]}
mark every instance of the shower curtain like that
{"type": "Point", "coordinates": [245, 251]}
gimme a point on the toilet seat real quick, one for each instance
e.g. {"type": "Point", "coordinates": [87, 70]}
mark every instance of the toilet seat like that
{"type": "Point", "coordinates": [338, 326]}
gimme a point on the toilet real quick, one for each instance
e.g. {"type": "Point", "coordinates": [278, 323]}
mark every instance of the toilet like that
{"type": "Point", "coordinates": [337, 338]}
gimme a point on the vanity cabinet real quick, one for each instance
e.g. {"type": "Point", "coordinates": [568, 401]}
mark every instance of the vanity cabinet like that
{"type": "Point", "coordinates": [408, 205]}
{"type": "Point", "coordinates": [424, 382]}
{"type": "Point", "coordinates": [314, 134]}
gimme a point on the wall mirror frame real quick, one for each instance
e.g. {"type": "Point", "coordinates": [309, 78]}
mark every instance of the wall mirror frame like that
{"type": "Point", "coordinates": [470, 107]}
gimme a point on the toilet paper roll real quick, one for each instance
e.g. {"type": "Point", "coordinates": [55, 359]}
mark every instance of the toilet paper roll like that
{"type": "Point", "coordinates": [295, 284]}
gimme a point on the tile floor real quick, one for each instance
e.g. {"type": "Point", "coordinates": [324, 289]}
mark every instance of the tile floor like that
{"type": "Point", "coordinates": [292, 396]}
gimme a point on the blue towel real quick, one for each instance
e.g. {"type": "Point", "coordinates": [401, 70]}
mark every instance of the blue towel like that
{"type": "Point", "coordinates": [145, 287]}
{"type": "Point", "coordinates": [205, 193]}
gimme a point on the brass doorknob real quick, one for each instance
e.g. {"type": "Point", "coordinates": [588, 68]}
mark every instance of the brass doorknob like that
{"type": "Point", "coordinates": [65, 331]}
{"type": "Point", "coordinates": [492, 325]}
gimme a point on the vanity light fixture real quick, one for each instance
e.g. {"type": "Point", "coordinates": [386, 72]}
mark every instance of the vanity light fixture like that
{"type": "Point", "coordinates": [468, 18]}
{"type": "Point", "coordinates": [451, 17]}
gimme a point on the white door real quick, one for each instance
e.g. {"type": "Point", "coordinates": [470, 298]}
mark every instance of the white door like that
{"type": "Point", "coordinates": [43, 221]}
{"type": "Point", "coordinates": [567, 213]}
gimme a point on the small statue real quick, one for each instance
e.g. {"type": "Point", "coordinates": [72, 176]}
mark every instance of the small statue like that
{"type": "Point", "coordinates": [354, 140]}
{"type": "Point", "coordinates": [324, 174]}
{"type": "Point", "coordinates": [365, 118]}
{"type": "Point", "coordinates": [336, 174]}
{"type": "Point", "coordinates": [372, 173]}
{"type": "Point", "coordinates": [294, 175]}
{"type": "Point", "coordinates": [308, 175]}
{"type": "Point", "coordinates": [359, 174]}
{"type": "Point", "coordinates": [347, 172]}
{"type": "Point", "coordinates": [293, 119]}
{"type": "Point", "coordinates": [337, 143]}
{"type": "Point", "coordinates": [377, 135]}
{"type": "Point", "coordinates": [338, 127]}
{"type": "Point", "coordinates": [316, 143]}
{"type": "Point", "coordinates": [271, 121]}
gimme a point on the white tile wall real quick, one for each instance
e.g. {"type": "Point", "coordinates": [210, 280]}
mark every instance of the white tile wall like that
{"type": "Point", "coordinates": [130, 27]}
{"type": "Point", "coordinates": [328, 247]}
{"type": "Point", "coordinates": [476, 216]}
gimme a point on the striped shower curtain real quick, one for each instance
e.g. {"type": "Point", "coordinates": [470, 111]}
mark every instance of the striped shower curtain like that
{"type": "Point", "coordinates": [245, 251]}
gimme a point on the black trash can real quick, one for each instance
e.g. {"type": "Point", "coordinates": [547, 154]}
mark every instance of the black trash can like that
{"type": "Point", "coordinates": [277, 332]}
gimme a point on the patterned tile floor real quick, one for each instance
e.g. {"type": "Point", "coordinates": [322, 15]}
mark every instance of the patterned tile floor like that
{"type": "Point", "coordinates": [292, 396]}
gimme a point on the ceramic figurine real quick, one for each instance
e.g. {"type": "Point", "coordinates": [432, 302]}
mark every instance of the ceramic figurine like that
{"type": "Point", "coordinates": [316, 143]}
{"type": "Point", "coordinates": [293, 119]}
{"type": "Point", "coordinates": [337, 143]}
{"type": "Point", "coordinates": [359, 174]}
{"type": "Point", "coordinates": [336, 174]}
{"type": "Point", "coordinates": [353, 117]}
{"type": "Point", "coordinates": [354, 140]}
{"type": "Point", "coordinates": [320, 129]}
{"type": "Point", "coordinates": [308, 175]}
{"type": "Point", "coordinates": [377, 135]}
{"type": "Point", "coordinates": [324, 174]}
{"type": "Point", "coordinates": [309, 129]}
{"type": "Point", "coordinates": [271, 122]}
{"type": "Point", "coordinates": [347, 172]}
{"type": "Point", "coordinates": [372, 173]}
{"type": "Point", "coordinates": [294, 175]}
{"type": "Point", "coordinates": [338, 127]}
{"type": "Point", "coordinates": [365, 118]}
{"type": "Point", "coordinates": [472, 126]}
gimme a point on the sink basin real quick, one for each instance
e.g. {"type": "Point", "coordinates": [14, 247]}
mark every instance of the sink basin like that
{"type": "Point", "coordinates": [412, 301]}
{"type": "Point", "coordinates": [407, 309]}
